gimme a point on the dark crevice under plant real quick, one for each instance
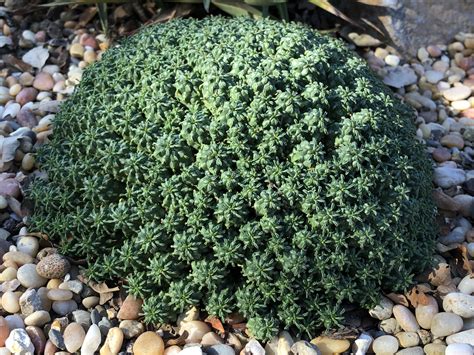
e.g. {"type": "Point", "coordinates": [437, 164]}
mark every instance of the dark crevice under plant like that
{"type": "Point", "coordinates": [238, 165]}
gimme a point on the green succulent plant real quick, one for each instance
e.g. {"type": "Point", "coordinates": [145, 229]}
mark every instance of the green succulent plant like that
{"type": "Point", "coordinates": [238, 165]}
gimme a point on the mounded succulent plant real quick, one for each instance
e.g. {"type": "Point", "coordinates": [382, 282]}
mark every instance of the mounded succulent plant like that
{"type": "Point", "coordinates": [238, 165]}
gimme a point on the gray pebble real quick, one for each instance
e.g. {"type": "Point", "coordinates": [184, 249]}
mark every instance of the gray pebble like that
{"type": "Point", "coordinates": [220, 349]}
{"type": "Point", "coordinates": [104, 326]}
{"type": "Point", "coordinates": [82, 317]}
{"type": "Point", "coordinates": [96, 317]}
{"type": "Point", "coordinates": [57, 338]}
{"type": "Point", "coordinates": [30, 302]}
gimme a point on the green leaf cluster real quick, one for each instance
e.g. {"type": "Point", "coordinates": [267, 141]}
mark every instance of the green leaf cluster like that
{"type": "Point", "coordinates": [238, 165]}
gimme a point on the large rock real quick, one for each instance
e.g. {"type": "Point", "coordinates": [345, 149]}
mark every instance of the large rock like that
{"type": "Point", "coordinates": [411, 23]}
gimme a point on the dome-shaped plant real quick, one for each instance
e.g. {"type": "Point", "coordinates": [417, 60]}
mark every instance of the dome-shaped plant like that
{"type": "Point", "coordinates": [238, 165]}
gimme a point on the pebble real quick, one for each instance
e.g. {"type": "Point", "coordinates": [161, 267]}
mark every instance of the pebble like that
{"type": "Point", "coordinates": [405, 318]}
{"type": "Point", "coordinates": [456, 93]}
{"type": "Point", "coordinates": [36, 57]}
{"type": "Point", "coordinates": [362, 344]}
{"type": "Point", "coordinates": [4, 331]}
{"type": "Point", "coordinates": [43, 81]}
{"type": "Point", "coordinates": [82, 317]}
{"type": "Point", "coordinates": [461, 105]}
{"type": "Point", "coordinates": [37, 338]}
{"type": "Point", "coordinates": [74, 336]}
{"type": "Point", "coordinates": [26, 95]}
{"type": "Point", "coordinates": [467, 285]}
{"type": "Point", "coordinates": [392, 60]}
{"type": "Point", "coordinates": [211, 338]}
{"type": "Point", "coordinates": [175, 350]}
{"type": "Point", "coordinates": [425, 313]}
{"type": "Point", "coordinates": [76, 50]}
{"type": "Point", "coordinates": [114, 340]}
{"type": "Point", "coordinates": [59, 295]}
{"type": "Point", "coordinates": [221, 349]}
{"type": "Point", "coordinates": [53, 266]}
{"type": "Point", "coordinates": [196, 330]}
{"type": "Point", "coordinates": [38, 318]}
{"type": "Point", "coordinates": [302, 348]}
{"type": "Point", "coordinates": [192, 350]}
{"type": "Point", "coordinates": [10, 302]}
{"type": "Point", "coordinates": [28, 276]}
{"type": "Point", "coordinates": [131, 328]}
{"type": "Point", "coordinates": [18, 342]}
{"type": "Point", "coordinates": [460, 304]}
{"type": "Point", "coordinates": [434, 349]}
{"type": "Point", "coordinates": [15, 321]}
{"type": "Point", "coordinates": [91, 341]}
{"type": "Point", "coordinates": [385, 344]}
{"type": "Point", "coordinates": [50, 348]}
{"type": "Point", "coordinates": [383, 310]}
{"type": "Point", "coordinates": [417, 350]}
{"type": "Point", "coordinates": [447, 177]}
{"type": "Point", "coordinates": [253, 347]}
{"type": "Point", "coordinates": [90, 302]}
{"type": "Point", "coordinates": [434, 76]}
{"type": "Point", "coordinates": [64, 307]}
{"type": "Point", "coordinates": [453, 140]}
{"type": "Point", "coordinates": [30, 302]}
{"type": "Point", "coordinates": [466, 336]}
{"type": "Point", "coordinates": [408, 339]}
{"type": "Point", "coordinates": [11, 110]}
{"type": "Point", "coordinates": [28, 245]}
{"type": "Point", "coordinates": [130, 309]}
{"type": "Point", "coordinates": [149, 343]}
{"type": "Point", "coordinates": [330, 345]}
{"type": "Point", "coordinates": [459, 349]}
{"type": "Point", "coordinates": [444, 324]}
{"type": "Point", "coordinates": [18, 258]}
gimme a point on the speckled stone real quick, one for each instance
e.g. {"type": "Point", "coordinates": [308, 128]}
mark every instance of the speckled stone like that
{"type": "Point", "coordinates": [54, 266]}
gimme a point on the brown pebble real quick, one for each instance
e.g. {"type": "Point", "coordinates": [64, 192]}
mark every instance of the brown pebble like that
{"type": "Point", "coordinates": [37, 338]}
{"type": "Point", "coordinates": [26, 95]}
{"type": "Point", "coordinates": [43, 81]}
{"type": "Point", "coordinates": [149, 343]}
{"type": "Point", "coordinates": [441, 155]}
{"type": "Point", "coordinates": [50, 348]}
{"type": "Point", "coordinates": [131, 308]}
{"type": "Point", "coordinates": [4, 331]}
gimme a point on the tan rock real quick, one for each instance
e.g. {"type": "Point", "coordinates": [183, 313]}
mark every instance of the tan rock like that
{"type": "Point", "coordinates": [452, 140]}
{"type": "Point", "coordinates": [424, 313]}
{"type": "Point", "coordinates": [4, 331]}
{"type": "Point", "coordinates": [149, 343]}
{"type": "Point", "coordinates": [131, 308]}
{"type": "Point", "coordinates": [196, 330]}
{"type": "Point", "coordinates": [74, 336]}
{"type": "Point", "coordinates": [329, 345]}
{"type": "Point", "coordinates": [405, 318]}
{"type": "Point", "coordinates": [76, 50]}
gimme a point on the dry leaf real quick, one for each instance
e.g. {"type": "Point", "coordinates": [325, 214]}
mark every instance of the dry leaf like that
{"type": "Point", "coordinates": [15, 206]}
{"type": "Point", "coordinates": [398, 299]}
{"type": "Point", "coordinates": [417, 296]}
{"type": "Point", "coordinates": [181, 340]}
{"type": "Point", "coordinates": [105, 293]}
{"type": "Point", "coordinates": [215, 323]}
{"type": "Point", "coordinates": [17, 63]}
{"type": "Point", "coordinates": [460, 262]}
{"type": "Point", "coordinates": [87, 15]}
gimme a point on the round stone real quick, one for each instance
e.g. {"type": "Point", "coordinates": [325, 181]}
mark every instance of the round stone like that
{"type": "Point", "coordinates": [466, 337]}
{"type": "Point", "coordinates": [386, 344]}
{"type": "Point", "coordinates": [444, 324]}
{"type": "Point", "coordinates": [405, 318]}
{"type": "Point", "coordinates": [210, 339]}
{"type": "Point", "coordinates": [196, 330]}
{"type": "Point", "coordinates": [76, 50]}
{"type": "Point", "coordinates": [452, 141]}
{"type": "Point", "coordinates": [37, 338]}
{"type": "Point", "coordinates": [114, 340]}
{"type": "Point", "coordinates": [59, 295]}
{"type": "Point", "coordinates": [19, 342]}
{"type": "Point", "coordinates": [467, 284]}
{"type": "Point", "coordinates": [383, 310]}
{"type": "Point", "coordinates": [434, 349]}
{"type": "Point", "coordinates": [4, 331]}
{"type": "Point", "coordinates": [441, 154]}
{"type": "Point", "coordinates": [26, 95]}
{"type": "Point", "coordinates": [392, 60]}
{"type": "Point", "coordinates": [417, 350]}
{"type": "Point", "coordinates": [219, 349]}
{"type": "Point", "coordinates": [461, 105]}
{"type": "Point", "coordinates": [10, 302]}
{"type": "Point", "coordinates": [53, 266]}
{"type": "Point", "coordinates": [43, 81]}
{"type": "Point", "coordinates": [408, 339]}
{"type": "Point", "coordinates": [26, 244]}
{"type": "Point", "coordinates": [38, 318]}
{"type": "Point", "coordinates": [424, 313]}
{"type": "Point", "coordinates": [175, 350]}
{"type": "Point", "coordinates": [130, 309]}
{"type": "Point", "coordinates": [459, 349]}
{"type": "Point", "coordinates": [456, 93]}
{"type": "Point", "coordinates": [91, 341]}
{"type": "Point", "coordinates": [29, 278]}
{"type": "Point", "coordinates": [64, 307]}
{"type": "Point", "coordinates": [131, 328]}
{"type": "Point", "coordinates": [74, 336]}
{"type": "Point", "coordinates": [18, 257]}
{"type": "Point", "coordinates": [460, 304]}
{"type": "Point", "coordinates": [149, 343]}
{"type": "Point", "coordinates": [15, 321]}
{"type": "Point", "coordinates": [330, 345]}
{"type": "Point", "coordinates": [90, 302]}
